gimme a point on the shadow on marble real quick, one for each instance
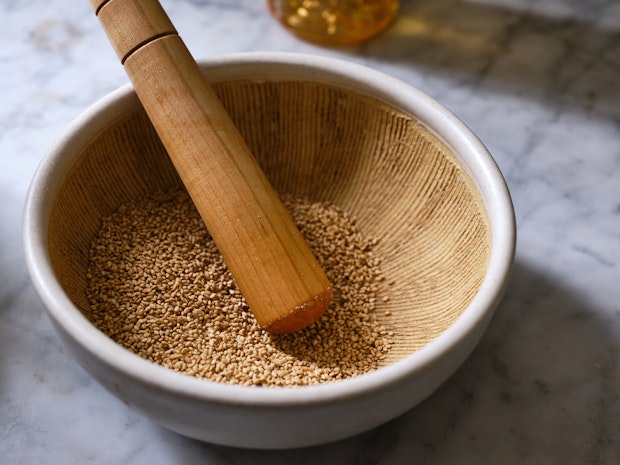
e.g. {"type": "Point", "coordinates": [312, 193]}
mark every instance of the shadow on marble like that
{"type": "Point", "coordinates": [564, 59]}
{"type": "Point", "coordinates": [541, 387]}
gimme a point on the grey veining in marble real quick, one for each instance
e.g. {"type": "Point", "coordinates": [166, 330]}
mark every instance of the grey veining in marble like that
{"type": "Point", "coordinates": [537, 80]}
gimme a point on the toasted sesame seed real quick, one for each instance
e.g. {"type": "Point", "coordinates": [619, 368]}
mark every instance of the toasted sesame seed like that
{"type": "Point", "coordinates": [158, 286]}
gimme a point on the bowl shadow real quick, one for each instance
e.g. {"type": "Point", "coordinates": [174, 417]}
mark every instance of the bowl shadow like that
{"type": "Point", "coordinates": [542, 386]}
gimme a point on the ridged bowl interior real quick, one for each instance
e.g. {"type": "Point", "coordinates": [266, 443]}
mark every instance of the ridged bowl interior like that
{"type": "Point", "coordinates": [325, 143]}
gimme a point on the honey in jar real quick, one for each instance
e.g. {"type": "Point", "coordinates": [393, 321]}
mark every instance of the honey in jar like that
{"type": "Point", "coordinates": [335, 22]}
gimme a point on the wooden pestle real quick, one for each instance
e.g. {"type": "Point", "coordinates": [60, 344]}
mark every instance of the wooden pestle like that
{"type": "Point", "coordinates": [275, 270]}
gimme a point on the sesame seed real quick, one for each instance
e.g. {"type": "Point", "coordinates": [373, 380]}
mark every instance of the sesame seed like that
{"type": "Point", "coordinates": [158, 286]}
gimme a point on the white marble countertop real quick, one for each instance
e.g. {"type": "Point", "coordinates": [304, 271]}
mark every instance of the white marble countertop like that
{"type": "Point", "coordinates": [537, 80]}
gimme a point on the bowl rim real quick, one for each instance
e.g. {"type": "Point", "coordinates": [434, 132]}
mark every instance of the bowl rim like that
{"type": "Point", "coordinates": [442, 123]}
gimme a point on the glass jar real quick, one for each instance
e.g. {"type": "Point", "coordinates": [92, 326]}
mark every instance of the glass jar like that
{"type": "Point", "coordinates": [335, 22]}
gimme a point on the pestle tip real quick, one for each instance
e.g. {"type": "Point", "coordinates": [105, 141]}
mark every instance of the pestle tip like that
{"type": "Point", "coordinates": [302, 315]}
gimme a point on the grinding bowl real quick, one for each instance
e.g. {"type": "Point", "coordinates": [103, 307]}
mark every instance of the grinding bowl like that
{"type": "Point", "coordinates": [413, 175]}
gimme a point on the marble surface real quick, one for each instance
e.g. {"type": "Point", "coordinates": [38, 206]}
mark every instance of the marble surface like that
{"type": "Point", "coordinates": [537, 80]}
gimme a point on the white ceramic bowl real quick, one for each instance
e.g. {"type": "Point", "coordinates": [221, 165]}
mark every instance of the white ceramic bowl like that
{"type": "Point", "coordinates": [271, 417]}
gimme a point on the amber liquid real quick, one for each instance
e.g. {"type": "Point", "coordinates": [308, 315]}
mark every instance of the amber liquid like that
{"type": "Point", "coordinates": [335, 22]}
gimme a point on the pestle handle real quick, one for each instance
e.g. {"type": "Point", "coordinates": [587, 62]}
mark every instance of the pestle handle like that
{"type": "Point", "coordinates": [275, 270]}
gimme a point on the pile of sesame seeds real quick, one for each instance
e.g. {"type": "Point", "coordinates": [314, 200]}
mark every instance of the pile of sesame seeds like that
{"type": "Point", "coordinates": [158, 286]}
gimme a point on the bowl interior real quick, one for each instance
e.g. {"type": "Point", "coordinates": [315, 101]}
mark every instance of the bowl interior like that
{"type": "Point", "coordinates": [325, 143]}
